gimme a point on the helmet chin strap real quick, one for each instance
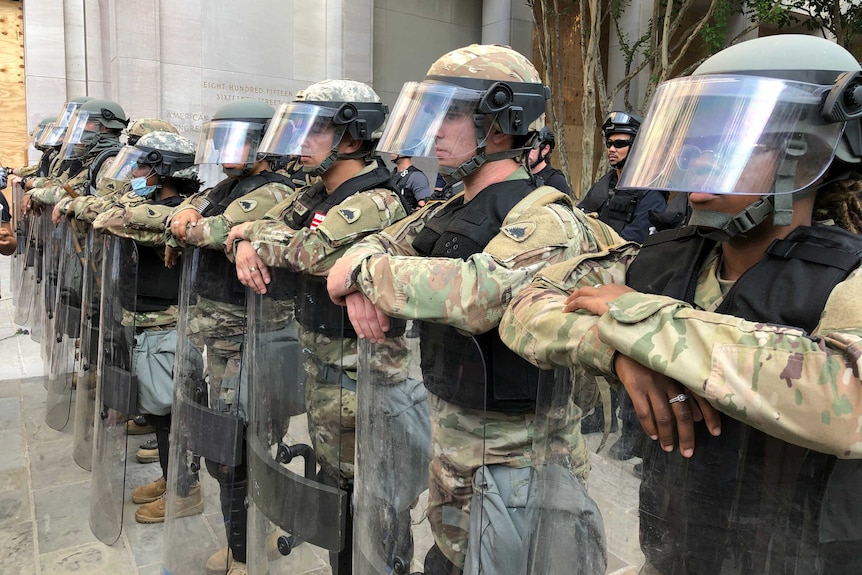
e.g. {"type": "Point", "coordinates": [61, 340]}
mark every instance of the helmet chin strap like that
{"type": "Point", "coordinates": [454, 175]}
{"type": "Point", "coordinates": [334, 156]}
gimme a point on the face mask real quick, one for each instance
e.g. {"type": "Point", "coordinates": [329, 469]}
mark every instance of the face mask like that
{"type": "Point", "coordinates": [140, 187]}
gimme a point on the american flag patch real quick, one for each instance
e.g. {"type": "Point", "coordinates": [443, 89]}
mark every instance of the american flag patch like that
{"type": "Point", "coordinates": [316, 220]}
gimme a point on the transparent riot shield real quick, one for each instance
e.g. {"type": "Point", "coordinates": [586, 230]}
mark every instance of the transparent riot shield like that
{"type": "Point", "coordinates": [301, 431]}
{"type": "Point", "coordinates": [116, 391]}
{"type": "Point", "coordinates": [744, 503]}
{"type": "Point", "coordinates": [51, 269]}
{"type": "Point", "coordinates": [19, 228]}
{"type": "Point", "coordinates": [472, 419]}
{"type": "Point", "coordinates": [566, 533]}
{"type": "Point", "coordinates": [207, 459]}
{"type": "Point", "coordinates": [37, 318]}
{"type": "Point", "coordinates": [25, 283]}
{"type": "Point", "coordinates": [393, 450]}
{"type": "Point", "coordinates": [85, 390]}
{"type": "Point", "coordinates": [67, 325]}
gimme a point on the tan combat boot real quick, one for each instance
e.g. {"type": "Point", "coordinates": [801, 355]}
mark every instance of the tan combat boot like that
{"type": "Point", "coordinates": [155, 512]}
{"type": "Point", "coordinates": [219, 562]}
{"type": "Point", "coordinates": [149, 492]}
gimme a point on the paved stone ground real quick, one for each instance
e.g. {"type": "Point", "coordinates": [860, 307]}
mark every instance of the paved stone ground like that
{"type": "Point", "coordinates": [44, 494]}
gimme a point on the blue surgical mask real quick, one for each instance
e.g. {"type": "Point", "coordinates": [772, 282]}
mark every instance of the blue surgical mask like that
{"type": "Point", "coordinates": [140, 187]}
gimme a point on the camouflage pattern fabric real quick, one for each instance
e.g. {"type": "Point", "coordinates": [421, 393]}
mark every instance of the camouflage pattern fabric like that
{"type": "Point", "coordinates": [471, 295]}
{"type": "Point", "coordinates": [486, 62]}
{"type": "Point", "coordinates": [749, 371]}
{"type": "Point", "coordinates": [340, 91]}
{"type": "Point", "coordinates": [211, 232]}
{"type": "Point", "coordinates": [314, 251]}
{"type": "Point", "coordinates": [136, 218]}
{"type": "Point", "coordinates": [143, 126]}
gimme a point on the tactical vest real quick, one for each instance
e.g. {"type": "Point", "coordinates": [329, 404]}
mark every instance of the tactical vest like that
{"type": "Point", "coordinates": [158, 287]}
{"type": "Point", "coordinates": [216, 278]}
{"type": "Point", "coordinates": [617, 209]}
{"type": "Point", "coordinates": [317, 313]}
{"type": "Point", "coordinates": [459, 231]}
{"type": "Point", "coordinates": [94, 168]}
{"type": "Point", "coordinates": [45, 163]}
{"type": "Point", "coordinates": [399, 180]}
{"type": "Point", "coordinates": [788, 287]}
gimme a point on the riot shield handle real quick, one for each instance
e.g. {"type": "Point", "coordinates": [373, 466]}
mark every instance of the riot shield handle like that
{"type": "Point", "coordinates": [286, 453]}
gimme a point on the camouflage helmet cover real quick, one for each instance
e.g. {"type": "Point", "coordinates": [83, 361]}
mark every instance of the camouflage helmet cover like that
{"type": "Point", "coordinates": [173, 150]}
{"type": "Point", "coordinates": [339, 91]}
{"type": "Point", "coordinates": [486, 62]}
{"type": "Point", "coordinates": [143, 126]}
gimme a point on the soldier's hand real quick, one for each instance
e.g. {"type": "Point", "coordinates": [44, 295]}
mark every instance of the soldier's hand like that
{"type": "Point", "coordinates": [56, 215]}
{"type": "Point", "coordinates": [8, 240]}
{"type": "Point", "coordinates": [250, 269]}
{"type": "Point", "coordinates": [172, 254]}
{"type": "Point", "coordinates": [667, 411]}
{"type": "Point", "coordinates": [236, 233]}
{"type": "Point", "coordinates": [26, 205]}
{"type": "Point", "coordinates": [595, 299]}
{"type": "Point", "coordinates": [182, 221]}
{"type": "Point", "coordinates": [369, 322]}
{"type": "Point", "coordinates": [337, 280]}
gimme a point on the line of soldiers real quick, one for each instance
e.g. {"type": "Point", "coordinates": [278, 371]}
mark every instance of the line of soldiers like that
{"type": "Point", "coordinates": [330, 357]}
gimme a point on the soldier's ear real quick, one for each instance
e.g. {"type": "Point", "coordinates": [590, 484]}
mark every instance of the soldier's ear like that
{"type": "Point", "coordinates": [349, 145]}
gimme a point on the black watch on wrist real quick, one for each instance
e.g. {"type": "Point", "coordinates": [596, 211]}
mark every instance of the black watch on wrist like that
{"type": "Point", "coordinates": [24, 181]}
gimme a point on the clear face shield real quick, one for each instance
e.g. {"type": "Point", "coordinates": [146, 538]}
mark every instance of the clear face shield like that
{"type": "Point", "coordinates": [436, 120]}
{"type": "Point", "coordinates": [721, 134]}
{"type": "Point", "coordinates": [81, 134]}
{"type": "Point", "coordinates": [127, 165]}
{"type": "Point", "coordinates": [66, 113]}
{"type": "Point", "coordinates": [300, 129]}
{"type": "Point", "coordinates": [229, 142]}
{"type": "Point", "coordinates": [51, 136]}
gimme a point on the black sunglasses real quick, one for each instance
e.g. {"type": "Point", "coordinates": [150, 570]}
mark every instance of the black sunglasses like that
{"type": "Point", "coordinates": [618, 144]}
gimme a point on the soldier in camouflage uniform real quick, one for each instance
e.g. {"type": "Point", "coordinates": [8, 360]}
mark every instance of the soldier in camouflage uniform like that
{"type": "Point", "coordinates": [160, 172]}
{"type": "Point", "coordinates": [111, 182]}
{"type": "Point", "coordinates": [758, 318]}
{"type": "Point", "coordinates": [217, 320]}
{"type": "Point", "coordinates": [333, 131]}
{"type": "Point", "coordinates": [91, 138]}
{"type": "Point", "coordinates": [456, 264]}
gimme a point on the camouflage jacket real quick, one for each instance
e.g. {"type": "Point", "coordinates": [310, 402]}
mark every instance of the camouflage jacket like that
{"type": "Point", "coordinates": [471, 295]}
{"type": "Point", "coordinates": [136, 218]}
{"type": "Point", "coordinates": [751, 371]}
{"type": "Point", "coordinates": [313, 250]}
{"type": "Point", "coordinates": [211, 232]}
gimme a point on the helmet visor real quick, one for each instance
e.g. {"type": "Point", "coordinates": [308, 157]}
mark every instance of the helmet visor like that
{"type": "Point", "coordinates": [66, 112]}
{"type": "Point", "coordinates": [126, 164]}
{"type": "Point", "coordinates": [51, 136]}
{"type": "Point", "coordinates": [229, 142]}
{"type": "Point", "coordinates": [732, 135]}
{"type": "Point", "coordinates": [298, 127]}
{"type": "Point", "coordinates": [81, 134]}
{"type": "Point", "coordinates": [434, 120]}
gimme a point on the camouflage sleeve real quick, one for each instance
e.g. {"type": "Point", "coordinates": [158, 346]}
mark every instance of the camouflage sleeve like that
{"type": "Point", "coordinates": [50, 193]}
{"type": "Point", "coordinates": [211, 232]}
{"type": "Point", "coordinates": [472, 294]}
{"type": "Point", "coordinates": [26, 171]}
{"type": "Point", "coordinates": [804, 389]}
{"type": "Point", "coordinates": [141, 221]}
{"type": "Point", "coordinates": [67, 205]}
{"type": "Point", "coordinates": [314, 251]}
{"type": "Point", "coordinates": [91, 207]}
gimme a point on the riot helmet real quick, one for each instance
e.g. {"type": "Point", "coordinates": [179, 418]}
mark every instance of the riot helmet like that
{"type": "Point", "coordinates": [141, 126]}
{"type": "Point", "coordinates": [53, 138]}
{"type": "Point", "coordinates": [233, 135]}
{"type": "Point", "coordinates": [768, 118]}
{"type": "Point", "coordinates": [490, 87]}
{"type": "Point", "coordinates": [621, 123]}
{"type": "Point", "coordinates": [159, 154]}
{"type": "Point", "coordinates": [94, 126]}
{"type": "Point", "coordinates": [45, 125]}
{"type": "Point", "coordinates": [316, 124]}
{"type": "Point", "coordinates": [545, 138]}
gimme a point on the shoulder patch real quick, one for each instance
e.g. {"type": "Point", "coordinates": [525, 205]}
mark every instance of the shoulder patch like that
{"type": "Point", "coordinates": [151, 213]}
{"type": "Point", "coordinates": [247, 205]}
{"type": "Point", "coordinates": [519, 232]}
{"type": "Point", "coordinates": [350, 215]}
